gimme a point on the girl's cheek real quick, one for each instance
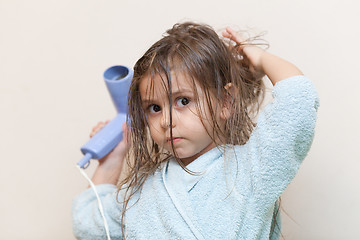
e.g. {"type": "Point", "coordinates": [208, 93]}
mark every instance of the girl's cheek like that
{"type": "Point", "coordinates": [153, 120]}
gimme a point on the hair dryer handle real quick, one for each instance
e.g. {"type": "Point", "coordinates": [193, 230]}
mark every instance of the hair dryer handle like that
{"type": "Point", "coordinates": [103, 141]}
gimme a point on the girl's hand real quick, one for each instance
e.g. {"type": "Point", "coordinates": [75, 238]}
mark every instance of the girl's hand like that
{"type": "Point", "coordinates": [110, 166]}
{"type": "Point", "coordinates": [120, 150]}
{"type": "Point", "coordinates": [252, 52]}
{"type": "Point", "coordinates": [276, 68]}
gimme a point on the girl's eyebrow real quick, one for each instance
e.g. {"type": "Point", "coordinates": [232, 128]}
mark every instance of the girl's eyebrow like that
{"type": "Point", "coordinates": [182, 90]}
{"type": "Point", "coordinates": [174, 93]}
{"type": "Point", "coordinates": [146, 101]}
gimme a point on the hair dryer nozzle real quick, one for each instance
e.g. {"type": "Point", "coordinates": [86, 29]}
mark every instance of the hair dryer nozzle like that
{"type": "Point", "coordinates": [118, 79]}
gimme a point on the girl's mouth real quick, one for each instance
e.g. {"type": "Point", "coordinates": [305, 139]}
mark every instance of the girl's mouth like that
{"type": "Point", "coordinates": [174, 139]}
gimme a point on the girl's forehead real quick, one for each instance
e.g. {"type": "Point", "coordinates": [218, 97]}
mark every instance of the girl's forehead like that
{"type": "Point", "coordinates": [159, 83]}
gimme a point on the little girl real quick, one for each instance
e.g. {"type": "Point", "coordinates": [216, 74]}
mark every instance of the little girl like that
{"type": "Point", "coordinates": [199, 167]}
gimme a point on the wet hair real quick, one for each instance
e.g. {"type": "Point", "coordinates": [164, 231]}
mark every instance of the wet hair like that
{"type": "Point", "coordinates": [211, 63]}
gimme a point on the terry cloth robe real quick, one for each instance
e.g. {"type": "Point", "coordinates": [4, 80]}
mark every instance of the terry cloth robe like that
{"type": "Point", "coordinates": [235, 195]}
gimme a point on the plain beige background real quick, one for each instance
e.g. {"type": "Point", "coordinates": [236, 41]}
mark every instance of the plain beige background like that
{"type": "Point", "coordinates": [53, 54]}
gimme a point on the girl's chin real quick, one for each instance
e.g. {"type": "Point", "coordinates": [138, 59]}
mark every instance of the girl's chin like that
{"type": "Point", "coordinates": [183, 156]}
{"type": "Point", "coordinates": [187, 158]}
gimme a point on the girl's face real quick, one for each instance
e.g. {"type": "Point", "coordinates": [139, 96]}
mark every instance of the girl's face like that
{"type": "Point", "coordinates": [190, 136]}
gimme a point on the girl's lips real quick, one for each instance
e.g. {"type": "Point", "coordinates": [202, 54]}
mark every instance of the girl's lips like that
{"type": "Point", "coordinates": [174, 139]}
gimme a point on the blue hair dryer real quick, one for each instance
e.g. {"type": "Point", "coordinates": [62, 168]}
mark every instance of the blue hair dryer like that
{"type": "Point", "coordinates": [117, 79]}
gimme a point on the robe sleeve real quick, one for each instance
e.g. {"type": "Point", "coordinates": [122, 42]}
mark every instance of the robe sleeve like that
{"type": "Point", "coordinates": [87, 220]}
{"type": "Point", "coordinates": [282, 137]}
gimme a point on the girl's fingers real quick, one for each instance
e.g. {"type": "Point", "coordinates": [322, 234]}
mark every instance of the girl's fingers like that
{"type": "Point", "coordinates": [97, 128]}
{"type": "Point", "coordinates": [233, 35]}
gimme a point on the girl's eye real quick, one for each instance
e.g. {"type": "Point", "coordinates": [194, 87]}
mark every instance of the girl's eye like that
{"type": "Point", "coordinates": [181, 102]}
{"type": "Point", "coordinates": [154, 108]}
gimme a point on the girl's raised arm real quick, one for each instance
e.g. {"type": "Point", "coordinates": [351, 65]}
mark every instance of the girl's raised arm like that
{"type": "Point", "coordinates": [274, 67]}
{"type": "Point", "coordinates": [285, 128]}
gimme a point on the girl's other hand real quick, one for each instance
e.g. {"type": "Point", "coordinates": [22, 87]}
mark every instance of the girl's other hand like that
{"type": "Point", "coordinates": [263, 62]}
{"type": "Point", "coordinates": [252, 52]}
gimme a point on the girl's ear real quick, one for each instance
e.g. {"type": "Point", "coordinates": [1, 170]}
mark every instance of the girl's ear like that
{"type": "Point", "coordinates": [226, 104]}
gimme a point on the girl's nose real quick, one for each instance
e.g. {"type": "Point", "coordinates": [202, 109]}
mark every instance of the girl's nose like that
{"type": "Point", "coordinates": [165, 119]}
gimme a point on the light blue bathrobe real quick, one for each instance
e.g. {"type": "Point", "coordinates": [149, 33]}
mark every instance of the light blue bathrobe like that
{"type": "Point", "coordinates": [234, 197]}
